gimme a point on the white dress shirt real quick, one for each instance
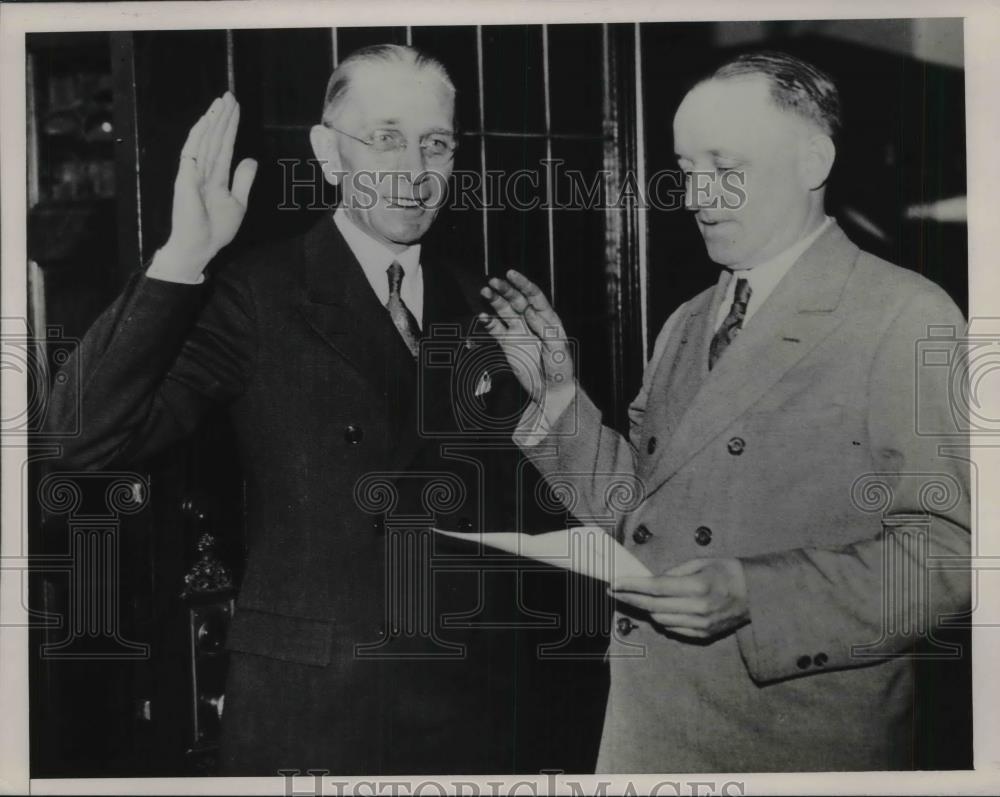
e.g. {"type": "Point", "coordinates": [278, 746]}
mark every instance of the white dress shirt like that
{"type": "Point", "coordinates": [375, 258]}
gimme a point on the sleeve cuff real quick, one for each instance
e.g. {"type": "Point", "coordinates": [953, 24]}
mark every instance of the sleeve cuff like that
{"type": "Point", "coordinates": [782, 640]}
{"type": "Point", "coordinates": [761, 641]}
{"type": "Point", "coordinates": [538, 421]}
{"type": "Point", "coordinates": [167, 268]}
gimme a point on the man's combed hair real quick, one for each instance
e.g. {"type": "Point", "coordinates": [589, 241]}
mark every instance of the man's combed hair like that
{"type": "Point", "coordinates": [340, 80]}
{"type": "Point", "coordinates": [796, 86]}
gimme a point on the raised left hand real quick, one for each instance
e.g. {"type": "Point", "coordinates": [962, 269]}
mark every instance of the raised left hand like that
{"type": "Point", "coordinates": [701, 598]}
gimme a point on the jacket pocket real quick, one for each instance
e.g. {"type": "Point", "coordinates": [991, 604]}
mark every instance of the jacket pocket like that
{"type": "Point", "coordinates": [302, 640]}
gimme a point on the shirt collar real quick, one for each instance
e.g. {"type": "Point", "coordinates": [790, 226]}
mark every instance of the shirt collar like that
{"type": "Point", "coordinates": [764, 276]}
{"type": "Point", "coordinates": [374, 256]}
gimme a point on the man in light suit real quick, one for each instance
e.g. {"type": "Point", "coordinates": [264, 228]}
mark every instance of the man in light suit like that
{"type": "Point", "coordinates": [348, 652]}
{"type": "Point", "coordinates": [776, 407]}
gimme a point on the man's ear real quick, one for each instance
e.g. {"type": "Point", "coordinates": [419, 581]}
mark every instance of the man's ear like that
{"type": "Point", "coordinates": [818, 155]}
{"type": "Point", "coordinates": [324, 147]}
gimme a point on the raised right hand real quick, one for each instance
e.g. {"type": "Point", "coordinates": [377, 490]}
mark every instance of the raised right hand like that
{"type": "Point", "coordinates": [206, 212]}
{"type": "Point", "coordinates": [531, 335]}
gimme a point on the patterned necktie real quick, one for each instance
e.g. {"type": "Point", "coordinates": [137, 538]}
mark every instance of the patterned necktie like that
{"type": "Point", "coordinates": [399, 312]}
{"type": "Point", "coordinates": [731, 324]}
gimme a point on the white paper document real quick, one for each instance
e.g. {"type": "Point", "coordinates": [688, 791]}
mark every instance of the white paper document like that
{"type": "Point", "coordinates": [583, 549]}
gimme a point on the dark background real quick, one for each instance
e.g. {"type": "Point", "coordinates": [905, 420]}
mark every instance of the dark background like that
{"type": "Point", "coordinates": [107, 118]}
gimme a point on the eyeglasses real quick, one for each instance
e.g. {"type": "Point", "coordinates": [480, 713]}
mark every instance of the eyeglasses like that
{"type": "Point", "coordinates": [436, 147]}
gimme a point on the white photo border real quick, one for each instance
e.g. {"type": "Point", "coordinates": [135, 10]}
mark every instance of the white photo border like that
{"type": "Point", "coordinates": [982, 62]}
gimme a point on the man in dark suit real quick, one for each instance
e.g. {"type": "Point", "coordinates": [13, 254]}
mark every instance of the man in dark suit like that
{"type": "Point", "coordinates": [353, 649]}
{"type": "Point", "coordinates": [788, 439]}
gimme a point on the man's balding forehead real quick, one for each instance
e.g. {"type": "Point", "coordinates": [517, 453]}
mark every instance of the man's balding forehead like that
{"type": "Point", "coordinates": [795, 85]}
{"type": "Point", "coordinates": [748, 100]}
{"type": "Point", "coordinates": [363, 62]}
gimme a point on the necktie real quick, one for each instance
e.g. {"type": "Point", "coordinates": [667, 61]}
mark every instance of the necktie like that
{"type": "Point", "coordinates": [731, 324]}
{"type": "Point", "coordinates": [399, 312]}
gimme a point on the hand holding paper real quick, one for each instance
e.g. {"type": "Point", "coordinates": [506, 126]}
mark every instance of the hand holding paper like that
{"type": "Point", "coordinates": [701, 598]}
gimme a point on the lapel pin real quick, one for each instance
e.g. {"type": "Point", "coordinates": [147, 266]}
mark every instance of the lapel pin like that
{"type": "Point", "coordinates": [485, 384]}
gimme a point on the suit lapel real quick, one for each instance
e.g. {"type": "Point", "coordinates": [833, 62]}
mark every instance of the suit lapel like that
{"type": "Point", "coordinates": [340, 305]}
{"type": "Point", "coordinates": [802, 311]}
{"type": "Point", "coordinates": [681, 371]}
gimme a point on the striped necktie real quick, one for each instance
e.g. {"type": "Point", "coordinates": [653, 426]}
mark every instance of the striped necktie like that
{"type": "Point", "coordinates": [399, 312]}
{"type": "Point", "coordinates": [731, 324]}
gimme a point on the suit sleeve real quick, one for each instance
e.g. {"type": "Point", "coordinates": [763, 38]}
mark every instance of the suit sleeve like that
{"type": "Point", "coordinates": [574, 446]}
{"type": "Point", "coordinates": [875, 598]}
{"type": "Point", "coordinates": [150, 367]}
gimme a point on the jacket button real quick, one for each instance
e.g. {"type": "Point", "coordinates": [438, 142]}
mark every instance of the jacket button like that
{"type": "Point", "coordinates": [736, 445]}
{"type": "Point", "coordinates": [626, 626]}
{"type": "Point", "coordinates": [465, 524]}
{"type": "Point", "coordinates": [651, 445]}
{"type": "Point", "coordinates": [353, 434]}
{"type": "Point", "coordinates": [820, 659]}
{"type": "Point", "coordinates": [703, 535]}
{"type": "Point", "coordinates": [803, 662]}
{"type": "Point", "coordinates": [641, 534]}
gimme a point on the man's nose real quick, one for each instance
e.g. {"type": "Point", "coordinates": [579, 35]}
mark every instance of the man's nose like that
{"type": "Point", "coordinates": [701, 191]}
{"type": "Point", "coordinates": [412, 162]}
{"type": "Point", "coordinates": [689, 203]}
